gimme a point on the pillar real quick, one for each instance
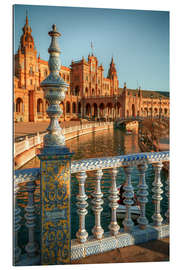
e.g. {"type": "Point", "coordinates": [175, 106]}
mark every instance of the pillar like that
{"type": "Point", "coordinates": [55, 161]}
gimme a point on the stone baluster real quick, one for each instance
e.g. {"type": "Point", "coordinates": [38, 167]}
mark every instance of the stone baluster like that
{"type": "Point", "coordinates": [167, 195]}
{"type": "Point", "coordinates": [17, 226]}
{"type": "Point", "coordinates": [128, 194]}
{"type": "Point", "coordinates": [30, 216]}
{"type": "Point", "coordinates": [113, 198]}
{"type": "Point", "coordinates": [142, 196]}
{"type": "Point", "coordinates": [96, 206]}
{"type": "Point", "coordinates": [82, 205]}
{"type": "Point", "coordinates": [157, 194]}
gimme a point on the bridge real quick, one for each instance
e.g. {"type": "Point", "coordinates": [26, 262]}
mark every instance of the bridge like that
{"type": "Point", "coordinates": [55, 245]}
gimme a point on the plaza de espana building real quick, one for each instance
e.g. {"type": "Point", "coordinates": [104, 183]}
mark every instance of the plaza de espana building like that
{"type": "Point", "coordinates": [90, 95]}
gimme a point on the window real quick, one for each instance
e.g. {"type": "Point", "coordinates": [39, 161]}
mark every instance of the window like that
{"type": "Point", "coordinates": [30, 70]}
{"type": "Point", "coordinates": [45, 73]}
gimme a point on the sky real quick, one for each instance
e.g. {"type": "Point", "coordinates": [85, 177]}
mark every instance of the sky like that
{"type": "Point", "coordinates": [138, 40]}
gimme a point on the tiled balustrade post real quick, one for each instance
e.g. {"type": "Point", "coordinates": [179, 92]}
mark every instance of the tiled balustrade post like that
{"type": "Point", "coordinates": [142, 196]}
{"type": "Point", "coordinates": [55, 169]}
{"type": "Point", "coordinates": [82, 205]}
{"type": "Point", "coordinates": [96, 206]}
{"type": "Point", "coordinates": [113, 198]}
{"type": "Point", "coordinates": [128, 201]}
{"type": "Point", "coordinates": [157, 194]}
{"type": "Point", "coordinates": [17, 226]}
{"type": "Point", "coordinates": [30, 216]}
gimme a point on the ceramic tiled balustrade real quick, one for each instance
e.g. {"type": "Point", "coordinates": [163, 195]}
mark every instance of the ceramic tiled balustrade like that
{"type": "Point", "coordinates": [115, 237]}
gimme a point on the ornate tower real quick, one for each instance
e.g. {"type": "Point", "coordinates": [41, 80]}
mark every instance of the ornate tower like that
{"type": "Point", "coordinates": [112, 75]}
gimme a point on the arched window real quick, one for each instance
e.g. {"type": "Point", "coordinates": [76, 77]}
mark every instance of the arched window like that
{"type": "Point", "coordinates": [67, 107]}
{"type": "Point", "coordinates": [77, 90]}
{"type": "Point", "coordinates": [19, 105]}
{"type": "Point", "coordinates": [45, 73]}
{"type": "Point", "coordinates": [86, 91]}
{"type": "Point", "coordinates": [39, 105]}
{"type": "Point", "coordinates": [31, 70]}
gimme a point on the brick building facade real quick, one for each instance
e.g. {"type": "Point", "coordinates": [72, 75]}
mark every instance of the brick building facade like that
{"type": "Point", "coordinates": [90, 94]}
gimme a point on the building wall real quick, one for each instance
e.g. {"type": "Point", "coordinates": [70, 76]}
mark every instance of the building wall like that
{"type": "Point", "coordinates": [89, 94]}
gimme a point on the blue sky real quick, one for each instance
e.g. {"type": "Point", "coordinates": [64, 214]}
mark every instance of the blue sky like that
{"type": "Point", "coordinates": [138, 40]}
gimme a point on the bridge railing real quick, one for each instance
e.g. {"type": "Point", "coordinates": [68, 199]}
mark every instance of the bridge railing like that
{"type": "Point", "coordinates": [28, 142]}
{"type": "Point", "coordinates": [115, 237]}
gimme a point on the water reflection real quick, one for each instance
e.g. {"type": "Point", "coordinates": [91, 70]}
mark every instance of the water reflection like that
{"type": "Point", "coordinates": [105, 143]}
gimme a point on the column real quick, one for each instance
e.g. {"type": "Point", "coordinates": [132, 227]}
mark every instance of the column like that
{"type": "Point", "coordinates": [16, 228]}
{"type": "Point", "coordinates": [157, 194]}
{"type": "Point", "coordinates": [128, 201]}
{"type": "Point", "coordinates": [113, 198]}
{"type": "Point", "coordinates": [82, 205]}
{"type": "Point", "coordinates": [96, 206]}
{"type": "Point", "coordinates": [55, 169]}
{"type": "Point", "coordinates": [142, 196]}
{"type": "Point", "coordinates": [30, 216]}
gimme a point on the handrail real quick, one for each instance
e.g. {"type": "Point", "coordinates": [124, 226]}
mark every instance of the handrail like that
{"type": "Point", "coordinates": [91, 164]}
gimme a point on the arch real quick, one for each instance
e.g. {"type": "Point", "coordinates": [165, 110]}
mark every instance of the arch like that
{"type": "Point", "coordinates": [86, 91]}
{"type": "Point", "coordinates": [165, 111]}
{"type": "Point", "coordinates": [19, 105]}
{"type": "Point", "coordinates": [109, 109]}
{"type": "Point", "coordinates": [79, 107]}
{"type": "Point", "coordinates": [39, 105]}
{"type": "Point", "coordinates": [68, 107]}
{"type": "Point", "coordinates": [155, 111]}
{"type": "Point", "coordinates": [77, 90]}
{"type": "Point", "coordinates": [88, 109]}
{"type": "Point", "coordinates": [46, 105]}
{"type": "Point", "coordinates": [101, 108]}
{"type": "Point", "coordinates": [74, 107]}
{"type": "Point", "coordinates": [93, 92]}
{"type": "Point", "coordinates": [118, 110]}
{"type": "Point", "coordinates": [133, 111]}
{"type": "Point", "coordinates": [62, 106]}
{"type": "Point", "coordinates": [95, 110]}
{"type": "Point", "coordinates": [146, 111]}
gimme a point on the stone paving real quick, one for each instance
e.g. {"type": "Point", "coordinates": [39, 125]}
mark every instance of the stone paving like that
{"type": "Point", "coordinates": [25, 128]}
{"type": "Point", "coordinates": [152, 251]}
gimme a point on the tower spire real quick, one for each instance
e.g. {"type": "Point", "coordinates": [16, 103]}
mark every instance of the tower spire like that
{"type": "Point", "coordinates": [26, 17]}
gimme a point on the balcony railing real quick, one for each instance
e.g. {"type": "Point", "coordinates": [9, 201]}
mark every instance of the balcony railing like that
{"type": "Point", "coordinates": [100, 240]}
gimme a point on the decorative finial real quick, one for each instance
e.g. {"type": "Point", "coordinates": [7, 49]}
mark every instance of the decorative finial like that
{"type": "Point", "coordinates": [54, 91]}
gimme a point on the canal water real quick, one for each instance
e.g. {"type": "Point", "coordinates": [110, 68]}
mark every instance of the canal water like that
{"type": "Point", "coordinates": [104, 143]}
